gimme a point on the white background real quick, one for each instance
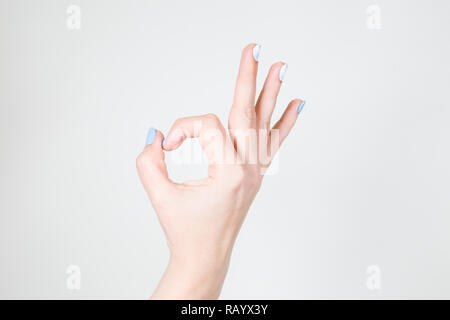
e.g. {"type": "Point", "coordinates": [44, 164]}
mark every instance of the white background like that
{"type": "Point", "coordinates": [363, 179]}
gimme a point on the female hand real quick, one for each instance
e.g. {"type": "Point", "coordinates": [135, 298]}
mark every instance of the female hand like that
{"type": "Point", "coordinates": [202, 218]}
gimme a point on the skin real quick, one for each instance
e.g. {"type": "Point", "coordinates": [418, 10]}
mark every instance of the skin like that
{"type": "Point", "coordinates": [201, 219]}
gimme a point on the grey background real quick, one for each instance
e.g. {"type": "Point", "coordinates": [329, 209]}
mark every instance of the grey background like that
{"type": "Point", "coordinates": [363, 179]}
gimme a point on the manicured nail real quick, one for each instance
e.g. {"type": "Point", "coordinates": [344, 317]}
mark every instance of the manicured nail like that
{"type": "Point", "coordinates": [151, 135]}
{"type": "Point", "coordinates": [162, 143]}
{"type": "Point", "coordinates": [300, 107]}
{"type": "Point", "coordinates": [283, 71]}
{"type": "Point", "coordinates": [256, 50]}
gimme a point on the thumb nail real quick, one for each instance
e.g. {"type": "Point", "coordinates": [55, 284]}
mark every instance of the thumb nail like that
{"type": "Point", "coordinates": [151, 135]}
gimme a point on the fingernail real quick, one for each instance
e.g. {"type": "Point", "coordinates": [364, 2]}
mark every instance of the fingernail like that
{"type": "Point", "coordinates": [283, 71]}
{"type": "Point", "coordinates": [300, 107]}
{"type": "Point", "coordinates": [151, 135]}
{"type": "Point", "coordinates": [256, 51]}
{"type": "Point", "coordinates": [162, 143]}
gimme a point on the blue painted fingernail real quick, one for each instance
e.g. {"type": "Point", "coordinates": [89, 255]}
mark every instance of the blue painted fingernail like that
{"type": "Point", "coordinates": [256, 51]}
{"type": "Point", "coordinates": [151, 135]}
{"type": "Point", "coordinates": [162, 143]}
{"type": "Point", "coordinates": [283, 71]}
{"type": "Point", "coordinates": [300, 107]}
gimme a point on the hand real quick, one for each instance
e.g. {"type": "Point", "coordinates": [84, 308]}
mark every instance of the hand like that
{"type": "Point", "coordinates": [202, 218]}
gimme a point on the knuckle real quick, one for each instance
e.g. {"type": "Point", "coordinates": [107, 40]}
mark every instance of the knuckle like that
{"type": "Point", "coordinates": [250, 113]}
{"type": "Point", "coordinates": [212, 118]}
{"type": "Point", "coordinates": [177, 122]}
{"type": "Point", "coordinates": [158, 198]}
{"type": "Point", "coordinates": [142, 161]}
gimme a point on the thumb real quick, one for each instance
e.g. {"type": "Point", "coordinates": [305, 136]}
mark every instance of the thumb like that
{"type": "Point", "coordinates": [152, 169]}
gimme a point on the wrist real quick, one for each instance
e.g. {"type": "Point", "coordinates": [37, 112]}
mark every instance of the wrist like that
{"type": "Point", "coordinates": [197, 277]}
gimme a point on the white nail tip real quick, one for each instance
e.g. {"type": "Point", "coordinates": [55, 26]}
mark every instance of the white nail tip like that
{"type": "Point", "coordinates": [283, 71]}
{"type": "Point", "coordinates": [256, 51]}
